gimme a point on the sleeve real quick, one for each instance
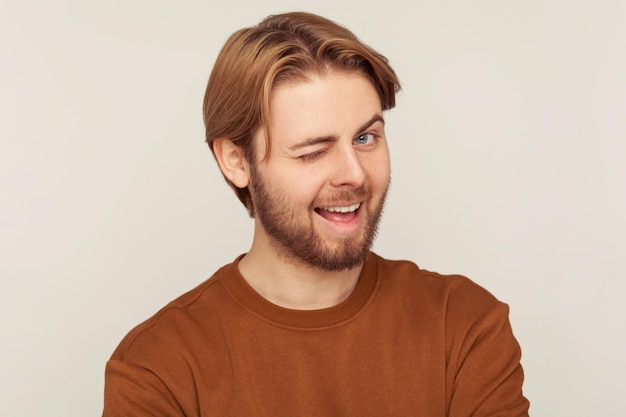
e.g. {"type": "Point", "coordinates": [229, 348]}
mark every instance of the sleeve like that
{"type": "Point", "coordinates": [484, 375]}
{"type": "Point", "coordinates": [134, 391]}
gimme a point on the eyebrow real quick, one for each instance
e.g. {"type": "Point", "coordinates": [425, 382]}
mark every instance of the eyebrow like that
{"type": "Point", "coordinates": [327, 139]}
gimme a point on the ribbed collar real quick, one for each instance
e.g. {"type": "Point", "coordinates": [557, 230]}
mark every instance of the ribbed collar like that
{"type": "Point", "coordinates": [254, 303]}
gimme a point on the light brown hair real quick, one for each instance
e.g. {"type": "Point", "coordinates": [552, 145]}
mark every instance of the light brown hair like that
{"type": "Point", "coordinates": [281, 48]}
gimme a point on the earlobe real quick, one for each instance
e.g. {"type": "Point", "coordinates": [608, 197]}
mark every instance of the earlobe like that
{"type": "Point", "coordinates": [232, 162]}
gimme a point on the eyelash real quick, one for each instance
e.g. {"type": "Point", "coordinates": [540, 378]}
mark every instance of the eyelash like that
{"type": "Point", "coordinates": [312, 156]}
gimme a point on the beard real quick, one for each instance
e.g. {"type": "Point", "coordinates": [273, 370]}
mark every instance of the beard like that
{"type": "Point", "coordinates": [295, 236]}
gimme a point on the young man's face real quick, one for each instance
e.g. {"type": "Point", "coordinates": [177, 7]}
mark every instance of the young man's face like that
{"type": "Point", "coordinates": [319, 195]}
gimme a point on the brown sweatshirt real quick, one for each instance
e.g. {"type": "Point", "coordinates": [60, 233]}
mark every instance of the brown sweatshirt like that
{"type": "Point", "coordinates": [407, 342]}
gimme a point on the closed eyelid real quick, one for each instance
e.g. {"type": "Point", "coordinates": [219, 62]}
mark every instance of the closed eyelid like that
{"type": "Point", "coordinates": [312, 155]}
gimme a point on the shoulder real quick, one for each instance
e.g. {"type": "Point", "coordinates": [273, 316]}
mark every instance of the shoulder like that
{"type": "Point", "coordinates": [187, 316]}
{"type": "Point", "coordinates": [453, 295]}
{"type": "Point", "coordinates": [405, 272]}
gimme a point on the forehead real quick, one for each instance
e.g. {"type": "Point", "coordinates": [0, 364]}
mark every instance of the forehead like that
{"type": "Point", "coordinates": [333, 103]}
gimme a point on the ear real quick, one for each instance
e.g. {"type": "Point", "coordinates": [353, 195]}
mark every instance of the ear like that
{"type": "Point", "coordinates": [232, 162]}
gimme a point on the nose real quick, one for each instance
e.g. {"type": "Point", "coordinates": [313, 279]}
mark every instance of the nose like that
{"type": "Point", "coordinates": [348, 168]}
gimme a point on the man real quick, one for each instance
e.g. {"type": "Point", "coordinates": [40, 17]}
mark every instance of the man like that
{"type": "Point", "coordinates": [309, 322]}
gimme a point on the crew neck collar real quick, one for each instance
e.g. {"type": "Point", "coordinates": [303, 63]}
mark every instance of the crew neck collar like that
{"type": "Point", "coordinates": [267, 311]}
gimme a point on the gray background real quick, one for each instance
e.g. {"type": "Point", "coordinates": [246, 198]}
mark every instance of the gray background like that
{"type": "Point", "coordinates": [508, 147]}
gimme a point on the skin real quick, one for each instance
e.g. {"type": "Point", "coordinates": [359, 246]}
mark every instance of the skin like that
{"type": "Point", "coordinates": [329, 154]}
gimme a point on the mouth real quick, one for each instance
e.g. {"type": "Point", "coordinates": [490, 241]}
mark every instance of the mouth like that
{"type": "Point", "coordinates": [339, 214]}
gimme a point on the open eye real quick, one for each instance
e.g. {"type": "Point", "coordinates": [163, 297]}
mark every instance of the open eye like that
{"type": "Point", "coordinates": [364, 139]}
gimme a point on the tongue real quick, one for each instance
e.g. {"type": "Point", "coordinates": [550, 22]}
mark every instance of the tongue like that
{"type": "Point", "coordinates": [336, 217]}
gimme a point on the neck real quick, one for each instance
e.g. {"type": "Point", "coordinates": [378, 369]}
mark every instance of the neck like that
{"type": "Point", "coordinates": [293, 284]}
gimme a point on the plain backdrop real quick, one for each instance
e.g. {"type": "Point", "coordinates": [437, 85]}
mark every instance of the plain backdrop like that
{"type": "Point", "coordinates": [508, 149]}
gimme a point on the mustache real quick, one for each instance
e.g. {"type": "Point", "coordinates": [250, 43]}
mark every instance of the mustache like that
{"type": "Point", "coordinates": [342, 196]}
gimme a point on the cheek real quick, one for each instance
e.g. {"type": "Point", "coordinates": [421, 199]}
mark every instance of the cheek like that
{"type": "Point", "coordinates": [380, 172]}
{"type": "Point", "coordinates": [299, 189]}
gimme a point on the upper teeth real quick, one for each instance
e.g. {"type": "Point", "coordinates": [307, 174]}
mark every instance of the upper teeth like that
{"type": "Point", "coordinates": [343, 209]}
